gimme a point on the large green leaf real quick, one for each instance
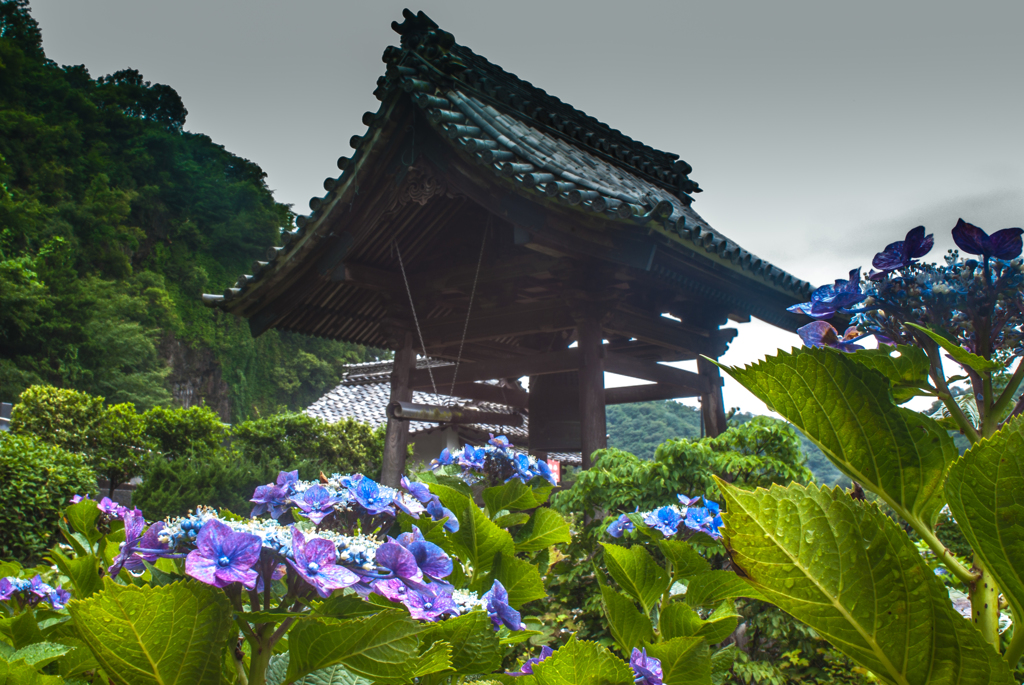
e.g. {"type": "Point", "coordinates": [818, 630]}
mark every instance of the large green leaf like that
{"type": "Point", "coordinates": [40, 654]}
{"type": "Point", "coordinates": [851, 573]}
{"type": "Point", "coordinates": [962, 356]}
{"type": "Point", "coordinates": [628, 626]}
{"type": "Point", "coordinates": [21, 630]}
{"type": "Point", "coordinates": [520, 578]}
{"type": "Point", "coordinates": [685, 560]}
{"type": "Point", "coordinates": [684, 661]}
{"type": "Point", "coordinates": [637, 573]}
{"type": "Point", "coordinates": [545, 528]}
{"type": "Point", "coordinates": [83, 517]}
{"type": "Point", "coordinates": [20, 672]}
{"type": "Point", "coordinates": [383, 647]}
{"type": "Point", "coordinates": [475, 646]}
{"type": "Point", "coordinates": [708, 589]}
{"type": "Point", "coordinates": [332, 675]}
{"type": "Point", "coordinates": [580, 662]}
{"type": "Point", "coordinates": [680, 620]}
{"type": "Point", "coordinates": [477, 536]}
{"type": "Point", "coordinates": [985, 488]}
{"type": "Point", "coordinates": [84, 573]}
{"type": "Point", "coordinates": [907, 370]}
{"type": "Point", "coordinates": [844, 408]}
{"type": "Point", "coordinates": [167, 635]}
{"type": "Point", "coordinates": [514, 495]}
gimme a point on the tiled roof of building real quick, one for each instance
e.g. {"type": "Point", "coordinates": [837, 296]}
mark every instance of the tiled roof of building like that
{"type": "Point", "coordinates": [365, 391]}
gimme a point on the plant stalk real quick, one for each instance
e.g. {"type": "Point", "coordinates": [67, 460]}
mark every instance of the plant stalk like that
{"type": "Point", "coordinates": [259, 658]}
{"type": "Point", "coordinates": [961, 572]}
{"type": "Point", "coordinates": [985, 606]}
{"type": "Point", "coordinates": [1015, 650]}
{"type": "Point", "coordinates": [939, 378]}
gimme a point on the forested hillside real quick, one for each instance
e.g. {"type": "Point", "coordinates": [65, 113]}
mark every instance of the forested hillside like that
{"type": "Point", "coordinates": [640, 428]}
{"type": "Point", "coordinates": [113, 220]}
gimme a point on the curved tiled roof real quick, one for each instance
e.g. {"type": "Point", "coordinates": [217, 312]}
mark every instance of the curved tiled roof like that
{"type": "Point", "coordinates": [545, 149]}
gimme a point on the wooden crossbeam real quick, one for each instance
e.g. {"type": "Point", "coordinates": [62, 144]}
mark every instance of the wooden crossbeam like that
{"type": "Point", "coordinates": [659, 331]}
{"type": "Point", "coordinates": [512, 397]}
{"type": "Point", "coordinates": [646, 393]}
{"type": "Point", "coordinates": [536, 365]}
{"type": "Point", "coordinates": [658, 373]}
{"type": "Point", "coordinates": [498, 322]}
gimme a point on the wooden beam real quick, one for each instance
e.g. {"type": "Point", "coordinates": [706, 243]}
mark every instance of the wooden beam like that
{"type": "Point", "coordinates": [512, 397]}
{"type": "Point", "coordinates": [372, 278]}
{"type": "Point", "coordinates": [646, 393]}
{"type": "Point", "coordinates": [396, 436]}
{"type": "Point", "coordinates": [662, 332]}
{"type": "Point", "coordinates": [536, 365]}
{"type": "Point", "coordinates": [501, 322]}
{"type": "Point", "coordinates": [658, 373]}
{"type": "Point", "coordinates": [711, 402]}
{"type": "Point", "coordinates": [593, 426]}
{"type": "Point", "coordinates": [463, 278]}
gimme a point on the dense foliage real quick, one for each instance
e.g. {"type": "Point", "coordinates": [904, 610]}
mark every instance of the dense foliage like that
{"type": "Point", "coordinates": [38, 481]}
{"type": "Point", "coordinates": [113, 221]}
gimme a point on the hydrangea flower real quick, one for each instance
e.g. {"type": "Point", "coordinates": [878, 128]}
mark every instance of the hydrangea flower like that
{"type": "Point", "coordinates": [902, 253]}
{"type": "Point", "coordinates": [666, 520]}
{"type": "Point", "coordinates": [399, 561]}
{"type": "Point", "coordinates": [438, 512]}
{"type": "Point", "coordinates": [829, 299]}
{"type": "Point", "coordinates": [314, 561]}
{"type": "Point", "coordinates": [527, 667]}
{"type": "Point", "coordinates": [471, 458]}
{"type": "Point", "coordinates": [137, 547]}
{"type": "Point", "coordinates": [372, 497]}
{"type": "Point", "coordinates": [428, 602]}
{"type": "Point", "coordinates": [223, 556]}
{"type": "Point", "coordinates": [620, 526]}
{"type": "Point", "coordinates": [495, 602]}
{"type": "Point", "coordinates": [501, 442]}
{"type": "Point", "coordinates": [822, 334]}
{"type": "Point", "coordinates": [317, 503]}
{"type": "Point", "coordinates": [1004, 244]}
{"type": "Point", "coordinates": [430, 559]}
{"type": "Point", "coordinates": [287, 481]}
{"type": "Point", "coordinates": [59, 598]}
{"type": "Point", "coordinates": [646, 668]}
{"type": "Point", "coordinates": [269, 498]}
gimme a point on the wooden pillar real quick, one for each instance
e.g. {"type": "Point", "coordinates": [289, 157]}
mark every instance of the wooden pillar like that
{"type": "Point", "coordinates": [712, 404]}
{"type": "Point", "coordinates": [396, 439]}
{"type": "Point", "coordinates": [593, 428]}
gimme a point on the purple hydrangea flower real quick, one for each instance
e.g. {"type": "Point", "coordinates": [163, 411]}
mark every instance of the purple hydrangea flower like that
{"type": "Point", "coordinates": [137, 547]}
{"type": "Point", "coordinates": [438, 512]}
{"type": "Point", "coordinates": [286, 480]}
{"type": "Point", "coordinates": [646, 668]}
{"type": "Point", "coordinates": [59, 598]}
{"type": "Point", "coordinates": [527, 667]}
{"type": "Point", "coordinates": [428, 602]}
{"type": "Point", "coordinates": [418, 490]}
{"type": "Point", "coordinates": [399, 561]}
{"type": "Point", "coordinates": [430, 559]}
{"type": "Point", "coordinates": [269, 498]}
{"type": "Point", "coordinates": [472, 458]}
{"type": "Point", "coordinates": [902, 253]}
{"type": "Point", "coordinates": [314, 562]}
{"type": "Point", "coordinates": [445, 459]}
{"type": "Point", "coordinates": [829, 299]}
{"type": "Point", "coordinates": [522, 466]}
{"type": "Point", "coordinates": [223, 556]}
{"type": "Point", "coordinates": [392, 589]}
{"type": "Point", "coordinates": [7, 589]}
{"type": "Point", "coordinates": [371, 496]}
{"type": "Point", "coordinates": [495, 602]}
{"type": "Point", "coordinates": [317, 503]}
{"type": "Point", "coordinates": [79, 498]}
{"type": "Point", "coordinates": [111, 508]}
{"type": "Point", "coordinates": [704, 519]}
{"type": "Point", "coordinates": [822, 334]}
{"type": "Point", "coordinates": [620, 526]}
{"type": "Point", "coordinates": [39, 589]}
{"type": "Point", "coordinates": [1004, 244]}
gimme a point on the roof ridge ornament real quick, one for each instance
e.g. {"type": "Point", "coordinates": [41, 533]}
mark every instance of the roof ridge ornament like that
{"type": "Point", "coordinates": [421, 35]}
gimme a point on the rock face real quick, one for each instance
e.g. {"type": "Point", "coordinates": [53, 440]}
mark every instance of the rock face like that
{"type": "Point", "coordinates": [195, 377]}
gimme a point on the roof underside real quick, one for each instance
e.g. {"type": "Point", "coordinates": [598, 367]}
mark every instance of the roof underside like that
{"type": "Point", "coordinates": [466, 164]}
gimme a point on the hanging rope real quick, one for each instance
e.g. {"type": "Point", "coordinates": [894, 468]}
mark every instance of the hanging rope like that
{"type": "Point", "coordinates": [469, 309]}
{"type": "Point", "coordinates": [415, 319]}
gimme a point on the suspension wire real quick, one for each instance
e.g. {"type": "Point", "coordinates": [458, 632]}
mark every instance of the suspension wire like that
{"type": "Point", "coordinates": [415, 319]}
{"type": "Point", "coordinates": [469, 309]}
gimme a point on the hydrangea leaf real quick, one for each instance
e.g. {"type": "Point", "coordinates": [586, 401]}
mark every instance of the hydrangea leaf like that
{"type": "Point", "coordinates": [514, 495]}
{"type": "Point", "coordinates": [628, 626]}
{"type": "Point", "coordinates": [475, 647]}
{"type": "Point", "coordinates": [170, 635]}
{"type": "Point", "coordinates": [985, 488]}
{"type": "Point", "coordinates": [520, 578]}
{"type": "Point", "coordinates": [83, 572]}
{"type": "Point", "coordinates": [686, 561]}
{"type": "Point", "coordinates": [509, 520]}
{"type": "Point", "coordinates": [907, 371]}
{"type": "Point", "coordinates": [636, 572]}
{"type": "Point", "coordinates": [680, 620]}
{"type": "Point", "coordinates": [844, 408]}
{"type": "Point", "coordinates": [21, 630]}
{"type": "Point", "coordinates": [339, 605]}
{"type": "Point", "coordinates": [545, 528]}
{"type": "Point", "coordinates": [722, 661]}
{"type": "Point", "coordinates": [332, 675]}
{"type": "Point", "coordinates": [383, 647]}
{"type": "Point", "coordinates": [580, 662]}
{"type": "Point", "coordinates": [962, 356]}
{"type": "Point", "coordinates": [83, 517]}
{"type": "Point", "coordinates": [684, 661]}
{"type": "Point", "coordinates": [477, 536]}
{"type": "Point", "coordinates": [851, 573]}
{"type": "Point", "coordinates": [708, 589]}
{"type": "Point", "coordinates": [40, 653]}
{"type": "Point", "coordinates": [514, 638]}
{"type": "Point", "coordinates": [21, 673]}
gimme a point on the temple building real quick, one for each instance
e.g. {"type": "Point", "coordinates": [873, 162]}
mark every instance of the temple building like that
{"type": "Point", "coordinates": [482, 223]}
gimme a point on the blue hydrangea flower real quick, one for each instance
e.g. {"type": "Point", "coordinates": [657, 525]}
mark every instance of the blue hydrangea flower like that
{"type": "Point", "coordinates": [399, 561]}
{"type": "Point", "coordinates": [471, 458]}
{"type": "Point", "coordinates": [314, 560]}
{"type": "Point", "coordinates": [1004, 244]}
{"type": "Point", "coordinates": [59, 598]}
{"type": "Point", "coordinates": [317, 503]}
{"type": "Point", "coordinates": [829, 299]}
{"type": "Point", "coordinates": [287, 480]}
{"type": "Point", "coordinates": [495, 602]}
{"type": "Point", "coordinates": [269, 498]}
{"type": "Point", "coordinates": [902, 253]}
{"type": "Point", "coordinates": [666, 520]}
{"type": "Point", "coordinates": [137, 547]}
{"type": "Point", "coordinates": [620, 526]}
{"type": "Point", "coordinates": [371, 496]}
{"type": "Point", "coordinates": [428, 602]}
{"type": "Point", "coordinates": [527, 667]}
{"type": "Point", "coordinates": [544, 471]}
{"type": "Point", "coordinates": [704, 520]}
{"type": "Point", "coordinates": [501, 442]}
{"type": "Point", "coordinates": [438, 512]}
{"type": "Point", "coordinates": [822, 334]}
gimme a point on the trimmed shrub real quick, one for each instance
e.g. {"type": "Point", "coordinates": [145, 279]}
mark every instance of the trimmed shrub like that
{"type": "Point", "coordinates": [178, 431]}
{"type": "Point", "coordinates": [38, 481]}
{"type": "Point", "coordinates": [62, 417]}
{"type": "Point", "coordinates": [171, 487]}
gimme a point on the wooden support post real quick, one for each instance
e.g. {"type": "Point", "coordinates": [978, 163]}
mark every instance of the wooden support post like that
{"type": "Point", "coordinates": [593, 428]}
{"type": "Point", "coordinates": [712, 404]}
{"type": "Point", "coordinates": [396, 438]}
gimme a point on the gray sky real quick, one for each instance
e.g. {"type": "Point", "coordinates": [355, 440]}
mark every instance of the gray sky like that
{"type": "Point", "coordinates": [819, 131]}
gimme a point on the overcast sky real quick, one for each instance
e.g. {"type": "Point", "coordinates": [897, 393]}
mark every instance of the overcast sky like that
{"type": "Point", "coordinates": [819, 131]}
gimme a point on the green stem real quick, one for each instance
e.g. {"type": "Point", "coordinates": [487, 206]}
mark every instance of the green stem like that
{"type": "Point", "coordinates": [1001, 405]}
{"type": "Point", "coordinates": [985, 606]}
{"type": "Point", "coordinates": [962, 573]}
{"type": "Point", "coordinates": [939, 378]}
{"type": "Point", "coordinates": [259, 658]}
{"type": "Point", "coordinates": [243, 679]}
{"type": "Point", "coordinates": [1015, 650]}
